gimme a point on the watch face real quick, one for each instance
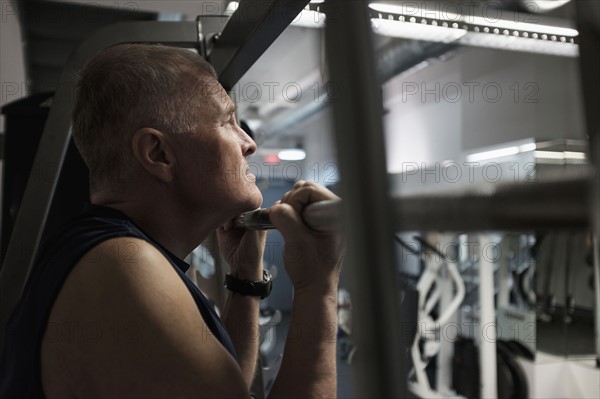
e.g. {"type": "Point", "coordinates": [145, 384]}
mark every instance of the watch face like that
{"type": "Point", "coordinates": [267, 275]}
{"type": "Point", "coordinates": [268, 283]}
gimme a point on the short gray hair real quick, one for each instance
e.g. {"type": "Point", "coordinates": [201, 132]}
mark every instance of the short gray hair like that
{"type": "Point", "coordinates": [131, 86]}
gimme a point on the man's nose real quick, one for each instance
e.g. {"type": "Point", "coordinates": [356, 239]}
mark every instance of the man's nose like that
{"type": "Point", "coordinates": [248, 144]}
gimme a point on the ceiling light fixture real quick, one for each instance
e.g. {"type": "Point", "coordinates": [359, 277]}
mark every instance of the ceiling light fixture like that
{"type": "Point", "coordinates": [528, 147]}
{"type": "Point", "coordinates": [413, 22]}
{"type": "Point", "coordinates": [492, 154]}
{"type": "Point", "coordinates": [417, 31]}
{"type": "Point", "coordinates": [292, 154]}
{"type": "Point", "coordinates": [561, 155]}
{"type": "Point", "coordinates": [410, 21]}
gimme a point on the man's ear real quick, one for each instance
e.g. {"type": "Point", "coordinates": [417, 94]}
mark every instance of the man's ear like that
{"type": "Point", "coordinates": [153, 152]}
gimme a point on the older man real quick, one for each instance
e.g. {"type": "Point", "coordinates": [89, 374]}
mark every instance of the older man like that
{"type": "Point", "coordinates": [108, 311]}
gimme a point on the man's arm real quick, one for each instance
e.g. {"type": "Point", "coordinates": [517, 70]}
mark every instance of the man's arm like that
{"type": "Point", "coordinates": [313, 261]}
{"type": "Point", "coordinates": [125, 325]}
{"type": "Point", "coordinates": [244, 251]}
{"type": "Point", "coordinates": [308, 368]}
{"type": "Point", "coordinates": [240, 316]}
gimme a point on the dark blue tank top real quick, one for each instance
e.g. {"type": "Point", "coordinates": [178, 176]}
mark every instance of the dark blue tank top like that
{"type": "Point", "coordinates": [20, 374]}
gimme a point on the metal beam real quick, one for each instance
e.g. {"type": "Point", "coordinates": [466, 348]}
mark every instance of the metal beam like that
{"type": "Point", "coordinates": [553, 203]}
{"type": "Point", "coordinates": [358, 112]}
{"type": "Point", "coordinates": [249, 32]}
{"type": "Point", "coordinates": [37, 198]}
{"type": "Point", "coordinates": [588, 24]}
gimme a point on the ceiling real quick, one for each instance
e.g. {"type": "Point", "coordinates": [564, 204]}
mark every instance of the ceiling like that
{"type": "Point", "coordinates": [282, 96]}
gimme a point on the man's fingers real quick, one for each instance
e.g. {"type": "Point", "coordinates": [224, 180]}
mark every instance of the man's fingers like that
{"type": "Point", "coordinates": [299, 183]}
{"type": "Point", "coordinates": [302, 194]}
{"type": "Point", "coordinates": [307, 193]}
{"type": "Point", "coordinates": [287, 220]}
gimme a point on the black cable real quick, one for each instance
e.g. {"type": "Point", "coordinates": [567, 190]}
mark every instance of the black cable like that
{"type": "Point", "coordinates": [404, 245]}
{"type": "Point", "coordinates": [429, 247]}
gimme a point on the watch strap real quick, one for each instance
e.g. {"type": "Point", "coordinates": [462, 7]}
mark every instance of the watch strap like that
{"type": "Point", "coordinates": [261, 289]}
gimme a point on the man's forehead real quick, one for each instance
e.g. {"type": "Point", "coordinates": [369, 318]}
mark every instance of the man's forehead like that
{"type": "Point", "coordinates": [216, 94]}
{"type": "Point", "coordinates": [226, 104]}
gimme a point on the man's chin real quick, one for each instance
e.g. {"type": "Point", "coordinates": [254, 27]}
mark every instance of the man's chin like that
{"type": "Point", "coordinates": [251, 203]}
{"type": "Point", "coordinates": [257, 201]}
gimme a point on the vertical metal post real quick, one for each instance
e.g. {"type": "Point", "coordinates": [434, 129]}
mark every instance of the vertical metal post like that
{"type": "Point", "coordinates": [358, 111]}
{"type": "Point", "coordinates": [588, 24]}
{"type": "Point", "coordinates": [487, 319]}
{"type": "Point", "coordinates": [446, 353]}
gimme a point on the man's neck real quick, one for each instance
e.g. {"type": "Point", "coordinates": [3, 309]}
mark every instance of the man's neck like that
{"type": "Point", "coordinates": [177, 230]}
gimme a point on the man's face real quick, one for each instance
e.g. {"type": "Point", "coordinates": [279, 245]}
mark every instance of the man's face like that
{"type": "Point", "coordinates": [212, 160]}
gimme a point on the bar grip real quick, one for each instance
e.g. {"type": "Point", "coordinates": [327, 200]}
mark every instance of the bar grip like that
{"type": "Point", "coordinates": [320, 216]}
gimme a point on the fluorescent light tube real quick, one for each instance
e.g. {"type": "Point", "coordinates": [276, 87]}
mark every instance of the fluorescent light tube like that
{"type": "Point", "coordinates": [575, 155]}
{"type": "Point", "coordinates": [411, 9]}
{"type": "Point", "coordinates": [293, 154]}
{"type": "Point", "coordinates": [510, 42]}
{"type": "Point", "coordinates": [560, 155]}
{"type": "Point", "coordinates": [521, 26]}
{"type": "Point", "coordinates": [412, 30]}
{"type": "Point", "coordinates": [549, 155]}
{"type": "Point", "coordinates": [485, 155]}
{"type": "Point", "coordinates": [413, 22]}
{"type": "Point", "coordinates": [527, 147]}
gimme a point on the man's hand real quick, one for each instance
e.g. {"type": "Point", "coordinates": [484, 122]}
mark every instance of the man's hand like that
{"type": "Point", "coordinates": [243, 250]}
{"type": "Point", "coordinates": [312, 259]}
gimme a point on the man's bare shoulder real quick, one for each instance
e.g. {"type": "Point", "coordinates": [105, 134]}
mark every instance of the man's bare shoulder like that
{"type": "Point", "coordinates": [124, 324]}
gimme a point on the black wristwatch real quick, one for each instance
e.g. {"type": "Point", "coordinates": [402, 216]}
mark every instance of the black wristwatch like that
{"type": "Point", "coordinates": [250, 288]}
